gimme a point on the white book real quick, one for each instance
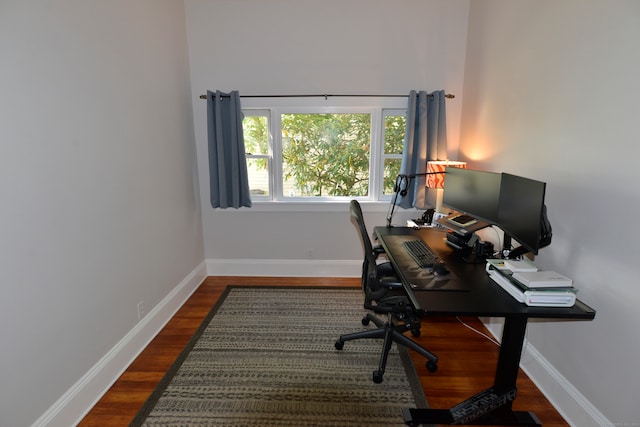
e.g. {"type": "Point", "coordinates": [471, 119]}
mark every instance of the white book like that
{"type": "Point", "coordinates": [534, 298]}
{"type": "Point", "coordinates": [517, 266]}
{"type": "Point", "coordinates": [543, 279]}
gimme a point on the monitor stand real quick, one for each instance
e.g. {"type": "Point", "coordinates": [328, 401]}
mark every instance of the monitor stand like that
{"type": "Point", "coordinates": [513, 253]}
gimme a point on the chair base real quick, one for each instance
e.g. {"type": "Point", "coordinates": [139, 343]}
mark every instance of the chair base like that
{"type": "Point", "coordinates": [390, 332]}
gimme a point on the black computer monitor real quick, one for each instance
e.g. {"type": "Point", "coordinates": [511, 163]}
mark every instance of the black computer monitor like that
{"type": "Point", "coordinates": [522, 213]}
{"type": "Point", "coordinates": [475, 193]}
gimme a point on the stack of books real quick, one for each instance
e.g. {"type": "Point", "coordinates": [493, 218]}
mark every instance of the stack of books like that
{"type": "Point", "coordinates": [527, 284]}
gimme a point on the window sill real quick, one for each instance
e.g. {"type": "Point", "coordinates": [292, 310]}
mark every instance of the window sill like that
{"type": "Point", "coordinates": [333, 206]}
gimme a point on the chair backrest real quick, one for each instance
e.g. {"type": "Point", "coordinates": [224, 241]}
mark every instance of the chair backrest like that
{"type": "Point", "coordinates": [377, 279]}
{"type": "Point", "coordinates": [358, 218]}
{"type": "Point", "coordinates": [369, 263]}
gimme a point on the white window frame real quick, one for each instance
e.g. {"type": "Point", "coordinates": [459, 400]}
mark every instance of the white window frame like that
{"type": "Point", "coordinates": [268, 156]}
{"type": "Point", "coordinates": [274, 107]}
{"type": "Point", "coordinates": [384, 156]}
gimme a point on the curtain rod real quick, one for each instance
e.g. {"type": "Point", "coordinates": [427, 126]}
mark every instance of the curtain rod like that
{"type": "Point", "coordinates": [325, 96]}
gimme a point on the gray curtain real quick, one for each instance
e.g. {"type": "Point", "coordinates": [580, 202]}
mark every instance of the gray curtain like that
{"type": "Point", "coordinates": [425, 139]}
{"type": "Point", "coordinates": [228, 177]}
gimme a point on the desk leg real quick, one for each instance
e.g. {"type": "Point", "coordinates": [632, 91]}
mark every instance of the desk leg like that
{"type": "Point", "coordinates": [491, 406]}
{"type": "Point", "coordinates": [511, 345]}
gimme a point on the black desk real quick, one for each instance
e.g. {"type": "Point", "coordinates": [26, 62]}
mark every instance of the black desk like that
{"type": "Point", "coordinates": [476, 295]}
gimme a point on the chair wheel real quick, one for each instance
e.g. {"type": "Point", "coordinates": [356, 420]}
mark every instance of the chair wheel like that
{"type": "Point", "coordinates": [415, 332]}
{"type": "Point", "coordinates": [339, 345]}
{"type": "Point", "coordinates": [377, 377]}
{"type": "Point", "coordinates": [432, 367]}
{"type": "Point", "coordinates": [365, 320]}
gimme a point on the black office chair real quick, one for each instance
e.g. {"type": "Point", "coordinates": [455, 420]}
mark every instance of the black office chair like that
{"type": "Point", "coordinates": [383, 294]}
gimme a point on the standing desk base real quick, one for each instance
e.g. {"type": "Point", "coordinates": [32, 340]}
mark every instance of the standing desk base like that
{"type": "Point", "coordinates": [489, 407]}
{"type": "Point", "coordinates": [417, 417]}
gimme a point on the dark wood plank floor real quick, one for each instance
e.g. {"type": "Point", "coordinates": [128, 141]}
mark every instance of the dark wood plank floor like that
{"type": "Point", "coordinates": [466, 366]}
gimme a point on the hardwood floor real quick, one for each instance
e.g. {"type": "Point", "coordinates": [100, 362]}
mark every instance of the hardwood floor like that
{"type": "Point", "coordinates": [466, 366]}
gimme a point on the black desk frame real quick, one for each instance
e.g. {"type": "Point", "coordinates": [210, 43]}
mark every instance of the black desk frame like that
{"type": "Point", "coordinates": [484, 298]}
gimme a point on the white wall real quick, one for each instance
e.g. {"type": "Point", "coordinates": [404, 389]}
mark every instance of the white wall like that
{"type": "Point", "coordinates": [101, 206]}
{"type": "Point", "coordinates": [307, 46]}
{"type": "Point", "coordinates": [99, 209]}
{"type": "Point", "coordinates": [551, 92]}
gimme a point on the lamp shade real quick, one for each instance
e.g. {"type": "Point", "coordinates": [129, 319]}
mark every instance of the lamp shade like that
{"type": "Point", "coordinates": [437, 180]}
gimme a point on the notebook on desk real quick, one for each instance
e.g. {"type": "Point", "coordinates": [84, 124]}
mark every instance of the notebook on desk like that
{"type": "Point", "coordinates": [420, 278]}
{"type": "Point", "coordinates": [462, 220]}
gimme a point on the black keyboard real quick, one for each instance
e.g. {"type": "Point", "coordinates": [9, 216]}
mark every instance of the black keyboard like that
{"type": "Point", "coordinates": [421, 253]}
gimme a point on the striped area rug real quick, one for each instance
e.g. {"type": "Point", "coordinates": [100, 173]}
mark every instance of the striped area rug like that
{"type": "Point", "coordinates": [265, 356]}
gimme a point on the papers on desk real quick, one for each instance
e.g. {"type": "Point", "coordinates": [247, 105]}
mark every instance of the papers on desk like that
{"type": "Point", "coordinates": [512, 265]}
{"type": "Point", "coordinates": [533, 288]}
{"type": "Point", "coordinates": [517, 266]}
{"type": "Point", "coordinates": [411, 223]}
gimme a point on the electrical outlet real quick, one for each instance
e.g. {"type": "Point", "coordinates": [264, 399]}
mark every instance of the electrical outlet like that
{"type": "Point", "coordinates": [310, 253]}
{"type": "Point", "coordinates": [141, 310]}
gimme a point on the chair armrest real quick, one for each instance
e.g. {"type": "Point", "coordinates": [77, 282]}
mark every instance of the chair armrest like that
{"type": "Point", "coordinates": [378, 250]}
{"type": "Point", "coordinates": [386, 277]}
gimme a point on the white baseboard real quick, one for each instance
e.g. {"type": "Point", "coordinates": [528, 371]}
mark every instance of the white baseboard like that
{"type": "Point", "coordinates": [571, 404]}
{"type": "Point", "coordinates": [85, 393]}
{"type": "Point", "coordinates": [284, 268]}
{"type": "Point", "coordinates": [567, 400]}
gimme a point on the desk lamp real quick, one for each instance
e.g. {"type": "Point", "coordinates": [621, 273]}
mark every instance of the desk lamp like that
{"type": "Point", "coordinates": [435, 181]}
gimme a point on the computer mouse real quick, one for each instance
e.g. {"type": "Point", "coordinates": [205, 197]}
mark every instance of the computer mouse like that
{"type": "Point", "coordinates": [440, 270]}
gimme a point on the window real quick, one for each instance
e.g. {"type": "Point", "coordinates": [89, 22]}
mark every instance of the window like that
{"type": "Point", "coordinates": [323, 153]}
{"type": "Point", "coordinates": [255, 129]}
{"type": "Point", "coordinates": [394, 128]}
